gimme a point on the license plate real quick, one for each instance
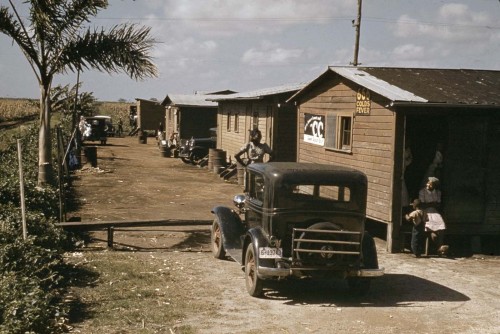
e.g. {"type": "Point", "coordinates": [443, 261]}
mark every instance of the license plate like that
{"type": "Point", "coordinates": [270, 253]}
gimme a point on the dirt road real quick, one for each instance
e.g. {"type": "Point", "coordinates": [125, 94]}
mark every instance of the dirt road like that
{"type": "Point", "coordinates": [426, 295]}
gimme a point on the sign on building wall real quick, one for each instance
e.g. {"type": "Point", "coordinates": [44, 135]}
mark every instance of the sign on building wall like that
{"type": "Point", "coordinates": [363, 103]}
{"type": "Point", "coordinates": [314, 129]}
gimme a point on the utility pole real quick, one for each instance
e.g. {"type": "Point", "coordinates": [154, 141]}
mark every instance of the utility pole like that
{"type": "Point", "coordinates": [357, 25]}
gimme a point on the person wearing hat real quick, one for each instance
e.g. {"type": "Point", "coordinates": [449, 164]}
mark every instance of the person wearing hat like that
{"type": "Point", "coordinates": [430, 198]}
{"type": "Point", "coordinates": [254, 149]}
{"type": "Point", "coordinates": [418, 218]}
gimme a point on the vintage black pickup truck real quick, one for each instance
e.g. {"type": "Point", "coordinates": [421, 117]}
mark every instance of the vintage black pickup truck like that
{"type": "Point", "coordinates": [299, 220]}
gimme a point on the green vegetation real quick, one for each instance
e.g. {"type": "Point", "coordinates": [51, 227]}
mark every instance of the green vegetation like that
{"type": "Point", "coordinates": [32, 280]}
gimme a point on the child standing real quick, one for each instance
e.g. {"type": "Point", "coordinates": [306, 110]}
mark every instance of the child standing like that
{"type": "Point", "coordinates": [418, 218]}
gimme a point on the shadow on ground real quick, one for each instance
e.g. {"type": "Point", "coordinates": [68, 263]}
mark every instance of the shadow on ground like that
{"type": "Point", "coordinates": [393, 290]}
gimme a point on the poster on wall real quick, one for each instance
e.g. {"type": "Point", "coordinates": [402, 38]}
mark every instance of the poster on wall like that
{"type": "Point", "coordinates": [314, 129]}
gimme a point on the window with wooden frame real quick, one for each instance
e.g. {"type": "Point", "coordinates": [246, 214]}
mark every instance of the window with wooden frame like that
{"type": "Point", "coordinates": [236, 123]}
{"type": "Point", "coordinates": [228, 124]}
{"type": "Point", "coordinates": [338, 134]}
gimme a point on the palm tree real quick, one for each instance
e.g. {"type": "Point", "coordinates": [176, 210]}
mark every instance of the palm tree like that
{"type": "Point", "coordinates": [54, 40]}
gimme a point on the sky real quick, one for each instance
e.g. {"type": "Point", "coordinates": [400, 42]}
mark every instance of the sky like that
{"type": "Point", "coordinates": [212, 45]}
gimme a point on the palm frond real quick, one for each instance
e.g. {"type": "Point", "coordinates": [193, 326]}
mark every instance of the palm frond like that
{"type": "Point", "coordinates": [11, 27]}
{"type": "Point", "coordinates": [125, 48]}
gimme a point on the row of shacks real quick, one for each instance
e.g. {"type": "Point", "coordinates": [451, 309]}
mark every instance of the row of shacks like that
{"type": "Point", "coordinates": [367, 118]}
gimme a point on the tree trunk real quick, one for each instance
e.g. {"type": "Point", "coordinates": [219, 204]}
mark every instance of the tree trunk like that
{"type": "Point", "coordinates": [45, 172]}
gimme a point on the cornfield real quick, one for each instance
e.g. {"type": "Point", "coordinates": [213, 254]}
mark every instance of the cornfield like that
{"type": "Point", "coordinates": [14, 109]}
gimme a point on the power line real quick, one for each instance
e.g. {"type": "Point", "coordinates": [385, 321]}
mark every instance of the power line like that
{"type": "Point", "coordinates": [302, 19]}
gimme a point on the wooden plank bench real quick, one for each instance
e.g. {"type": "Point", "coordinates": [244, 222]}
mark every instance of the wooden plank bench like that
{"type": "Point", "coordinates": [110, 225]}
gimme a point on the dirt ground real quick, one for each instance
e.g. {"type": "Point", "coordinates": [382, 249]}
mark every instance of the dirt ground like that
{"type": "Point", "coordinates": [426, 295]}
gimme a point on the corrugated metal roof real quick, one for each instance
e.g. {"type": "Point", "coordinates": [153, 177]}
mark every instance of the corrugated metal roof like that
{"type": "Point", "coordinates": [420, 86]}
{"type": "Point", "coordinates": [261, 93]}
{"type": "Point", "coordinates": [373, 83]}
{"type": "Point", "coordinates": [193, 100]}
{"type": "Point", "coordinates": [449, 86]}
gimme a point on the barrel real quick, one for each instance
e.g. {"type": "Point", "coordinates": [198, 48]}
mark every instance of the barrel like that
{"type": "Point", "coordinates": [143, 137]}
{"type": "Point", "coordinates": [218, 169]}
{"type": "Point", "coordinates": [218, 159]}
{"type": "Point", "coordinates": [212, 152]}
{"type": "Point", "coordinates": [90, 154]}
{"type": "Point", "coordinates": [165, 151]}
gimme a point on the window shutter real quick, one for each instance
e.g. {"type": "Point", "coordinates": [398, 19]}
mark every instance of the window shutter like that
{"type": "Point", "coordinates": [331, 130]}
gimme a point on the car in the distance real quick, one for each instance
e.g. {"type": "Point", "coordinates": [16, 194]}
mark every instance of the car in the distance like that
{"type": "Point", "coordinates": [98, 128]}
{"type": "Point", "coordinates": [193, 150]}
{"type": "Point", "coordinates": [300, 220]}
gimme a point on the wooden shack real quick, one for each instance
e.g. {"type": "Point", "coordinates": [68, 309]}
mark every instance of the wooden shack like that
{"type": "Point", "coordinates": [191, 115]}
{"type": "Point", "coordinates": [364, 117]}
{"type": "Point", "coordinates": [149, 114]}
{"type": "Point", "coordinates": [264, 109]}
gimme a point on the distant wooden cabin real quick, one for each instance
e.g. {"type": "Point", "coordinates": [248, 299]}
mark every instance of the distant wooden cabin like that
{"type": "Point", "coordinates": [149, 115]}
{"type": "Point", "coordinates": [265, 109]}
{"type": "Point", "coordinates": [191, 115]}
{"type": "Point", "coordinates": [362, 117]}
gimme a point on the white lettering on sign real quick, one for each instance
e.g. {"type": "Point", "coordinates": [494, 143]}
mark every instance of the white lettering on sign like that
{"type": "Point", "coordinates": [314, 129]}
{"type": "Point", "coordinates": [363, 102]}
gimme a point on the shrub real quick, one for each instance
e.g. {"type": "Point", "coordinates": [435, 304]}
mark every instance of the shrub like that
{"type": "Point", "coordinates": [32, 277]}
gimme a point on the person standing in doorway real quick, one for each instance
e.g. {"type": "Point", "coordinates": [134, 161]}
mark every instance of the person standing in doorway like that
{"type": "Point", "coordinates": [417, 217]}
{"type": "Point", "coordinates": [430, 197]}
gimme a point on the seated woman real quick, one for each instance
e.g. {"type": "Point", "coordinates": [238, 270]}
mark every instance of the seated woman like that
{"type": "Point", "coordinates": [430, 199]}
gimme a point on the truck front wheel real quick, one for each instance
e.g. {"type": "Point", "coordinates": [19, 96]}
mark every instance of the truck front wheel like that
{"type": "Point", "coordinates": [217, 242]}
{"type": "Point", "coordinates": [253, 283]}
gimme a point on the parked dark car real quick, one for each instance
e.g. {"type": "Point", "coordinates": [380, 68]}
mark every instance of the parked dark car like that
{"type": "Point", "coordinates": [193, 150]}
{"type": "Point", "coordinates": [101, 127]}
{"type": "Point", "coordinates": [300, 220]}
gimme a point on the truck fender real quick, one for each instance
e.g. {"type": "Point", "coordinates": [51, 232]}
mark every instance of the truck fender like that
{"type": "Point", "coordinates": [257, 238]}
{"type": "Point", "coordinates": [231, 226]}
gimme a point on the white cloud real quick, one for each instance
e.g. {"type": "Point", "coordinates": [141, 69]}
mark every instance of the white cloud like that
{"type": "Point", "coordinates": [452, 22]}
{"type": "Point", "coordinates": [269, 53]}
{"type": "Point", "coordinates": [408, 52]}
{"type": "Point", "coordinates": [228, 17]}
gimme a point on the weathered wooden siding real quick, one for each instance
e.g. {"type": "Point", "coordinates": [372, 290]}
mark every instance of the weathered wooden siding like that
{"type": "Point", "coordinates": [372, 142]}
{"type": "Point", "coordinates": [231, 141]}
{"type": "Point", "coordinates": [149, 115]}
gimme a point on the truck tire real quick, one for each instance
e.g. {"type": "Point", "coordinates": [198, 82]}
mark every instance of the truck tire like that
{"type": "Point", "coordinates": [253, 283]}
{"type": "Point", "coordinates": [217, 241]}
{"type": "Point", "coordinates": [318, 258]}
